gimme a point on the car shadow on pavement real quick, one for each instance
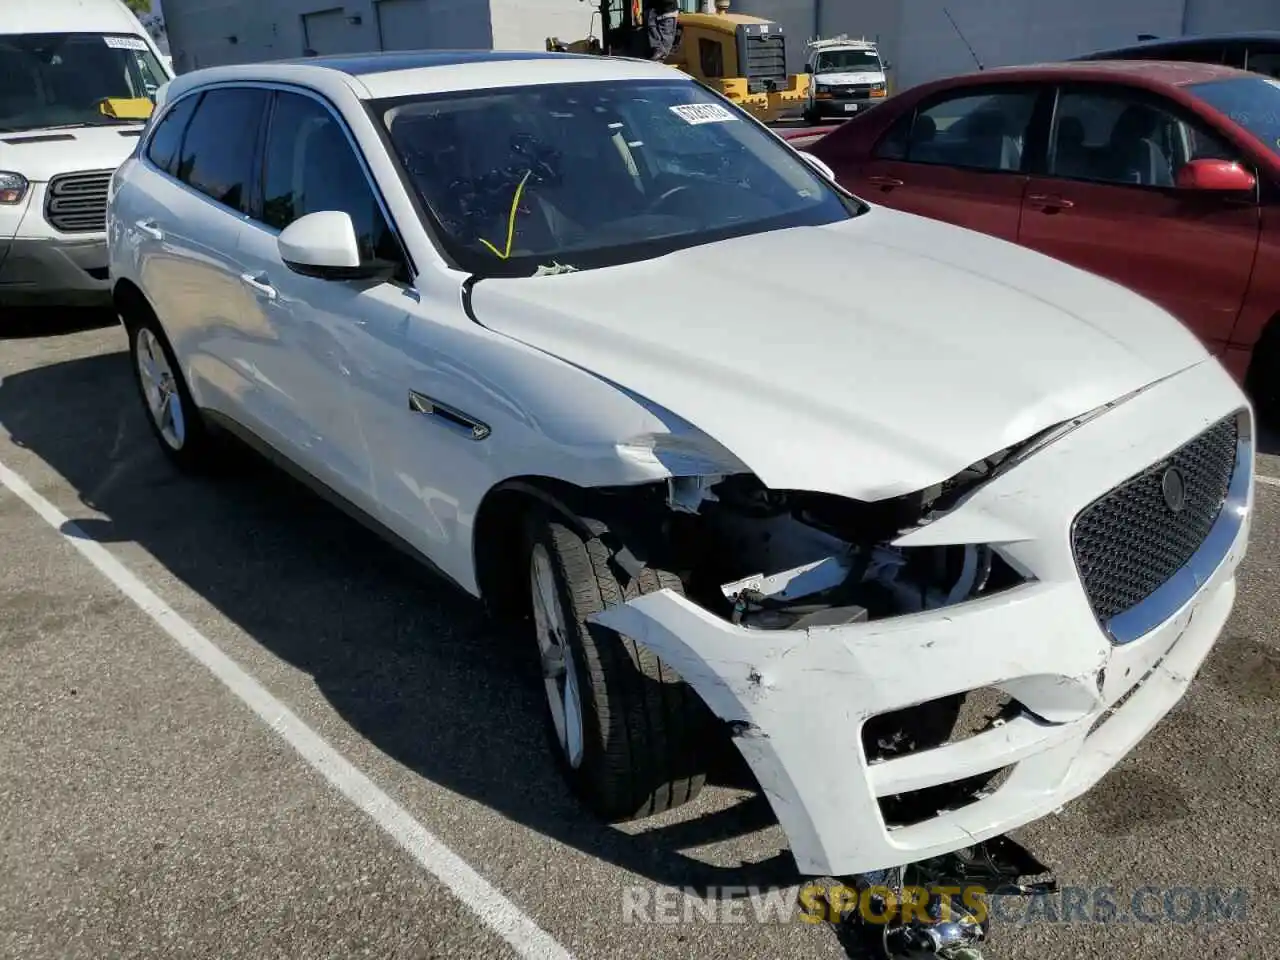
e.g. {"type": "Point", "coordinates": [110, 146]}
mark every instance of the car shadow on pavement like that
{"type": "Point", "coordinates": [29, 322]}
{"type": "Point", "coordinates": [408, 661]}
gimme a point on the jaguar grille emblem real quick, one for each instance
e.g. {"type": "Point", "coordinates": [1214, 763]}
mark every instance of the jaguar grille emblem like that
{"type": "Point", "coordinates": [1174, 487]}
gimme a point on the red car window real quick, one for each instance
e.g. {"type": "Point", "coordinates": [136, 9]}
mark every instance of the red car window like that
{"type": "Point", "coordinates": [980, 131]}
{"type": "Point", "coordinates": [1116, 137]}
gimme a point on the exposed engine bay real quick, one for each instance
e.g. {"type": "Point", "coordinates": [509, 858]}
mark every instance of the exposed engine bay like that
{"type": "Point", "coordinates": [795, 559]}
{"type": "Point", "coordinates": [769, 560]}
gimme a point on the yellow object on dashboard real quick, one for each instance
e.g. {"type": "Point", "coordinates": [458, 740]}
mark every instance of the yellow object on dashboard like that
{"type": "Point", "coordinates": [126, 108]}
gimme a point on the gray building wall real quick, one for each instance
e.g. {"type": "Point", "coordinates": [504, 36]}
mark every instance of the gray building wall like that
{"type": "Point", "coordinates": [929, 47]}
{"type": "Point", "coordinates": [526, 24]}
{"type": "Point", "coordinates": [205, 33]}
{"type": "Point", "coordinates": [1215, 16]}
{"type": "Point", "coordinates": [919, 41]}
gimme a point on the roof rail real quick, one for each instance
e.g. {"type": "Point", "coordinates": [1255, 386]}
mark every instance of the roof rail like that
{"type": "Point", "coordinates": [841, 41]}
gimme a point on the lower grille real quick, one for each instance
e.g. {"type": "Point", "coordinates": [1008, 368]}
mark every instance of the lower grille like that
{"type": "Point", "coordinates": [77, 202]}
{"type": "Point", "coordinates": [1131, 540]}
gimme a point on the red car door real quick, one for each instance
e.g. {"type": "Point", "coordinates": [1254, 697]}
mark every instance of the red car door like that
{"type": "Point", "coordinates": [958, 158]}
{"type": "Point", "coordinates": [1109, 204]}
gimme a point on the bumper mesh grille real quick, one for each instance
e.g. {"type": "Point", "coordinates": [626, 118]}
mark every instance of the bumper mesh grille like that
{"type": "Point", "coordinates": [77, 202]}
{"type": "Point", "coordinates": [1129, 542]}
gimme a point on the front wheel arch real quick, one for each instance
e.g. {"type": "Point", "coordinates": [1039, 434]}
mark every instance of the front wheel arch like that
{"type": "Point", "coordinates": [131, 304]}
{"type": "Point", "coordinates": [500, 574]}
{"type": "Point", "coordinates": [1262, 379]}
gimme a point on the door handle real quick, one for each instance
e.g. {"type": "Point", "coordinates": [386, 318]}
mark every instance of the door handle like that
{"type": "Point", "coordinates": [259, 285]}
{"type": "Point", "coordinates": [1050, 202]}
{"type": "Point", "coordinates": [149, 228]}
{"type": "Point", "coordinates": [883, 181]}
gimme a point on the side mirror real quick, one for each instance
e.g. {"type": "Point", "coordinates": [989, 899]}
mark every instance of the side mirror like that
{"type": "Point", "coordinates": [808, 68]}
{"type": "Point", "coordinates": [818, 165]}
{"type": "Point", "coordinates": [324, 245]}
{"type": "Point", "coordinates": [1217, 175]}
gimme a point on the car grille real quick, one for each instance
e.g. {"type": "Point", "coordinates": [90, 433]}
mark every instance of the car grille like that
{"type": "Point", "coordinates": [77, 202]}
{"type": "Point", "coordinates": [765, 63]}
{"type": "Point", "coordinates": [1129, 542]}
{"type": "Point", "coordinates": [857, 90]}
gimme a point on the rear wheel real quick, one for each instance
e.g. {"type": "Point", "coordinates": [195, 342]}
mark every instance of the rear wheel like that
{"type": "Point", "coordinates": [629, 733]}
{"type": "Point", "coordinates": [172, 414]}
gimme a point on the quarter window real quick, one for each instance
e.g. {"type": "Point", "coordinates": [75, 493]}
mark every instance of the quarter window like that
{"type": "Point", "coordinates": [1265, 60]}
{"type": "Point", "coordinates": [163, 148]}
{"type": "Point", "coordinates": [1115, 137]}
{"type": "Point", "coordinates": [985, 131]}
{"type": "Point", "coordinates": [217, 152]}
{"type": "Point", "coordinates": [309, 166]}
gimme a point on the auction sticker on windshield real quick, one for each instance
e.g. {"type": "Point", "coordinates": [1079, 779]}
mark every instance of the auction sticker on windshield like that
{"type": "Point", "coordinates": [125, 43]}
{"type": "Point", "coordinates": [702, 113]}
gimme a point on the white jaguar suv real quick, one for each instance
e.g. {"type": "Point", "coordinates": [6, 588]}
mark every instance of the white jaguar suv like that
{"type": "Point", "coordinates": [548, 322]}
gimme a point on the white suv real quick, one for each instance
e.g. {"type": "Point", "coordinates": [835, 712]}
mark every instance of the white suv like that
{"type": "Point", "coordinates": [548, 322]}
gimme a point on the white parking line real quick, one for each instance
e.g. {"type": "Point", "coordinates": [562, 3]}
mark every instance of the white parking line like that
{"type": "Point", "coordinates": [1269, 481]}
{"type": "Point", "coordinates": [494, 910]}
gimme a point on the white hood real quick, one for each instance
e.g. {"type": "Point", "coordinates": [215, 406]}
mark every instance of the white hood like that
{"type": "Point", "coordinates": [870, 358]}
{"type": "Point", "coordinates": [848, 79]}
{"type": "Point", "coordinates": [40, 155]}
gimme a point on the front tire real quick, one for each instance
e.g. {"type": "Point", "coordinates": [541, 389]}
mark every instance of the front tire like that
{"type": "Point", "coordinates": [629, 734]}
{"type": "Point", "coordinates": [175, 421]}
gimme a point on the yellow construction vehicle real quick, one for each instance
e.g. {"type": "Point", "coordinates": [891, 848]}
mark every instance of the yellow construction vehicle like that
{"type": "Point", "coordinates": [743, 57]}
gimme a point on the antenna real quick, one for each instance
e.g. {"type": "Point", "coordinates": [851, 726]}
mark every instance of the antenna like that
{"type": "Point", "coordinates": [962, 39]}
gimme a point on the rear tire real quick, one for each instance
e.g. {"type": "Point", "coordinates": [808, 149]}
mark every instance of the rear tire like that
{"type": "Point", "coordinates": [641, 743]}
{"type": "Point", "coordinates": [171, 413]}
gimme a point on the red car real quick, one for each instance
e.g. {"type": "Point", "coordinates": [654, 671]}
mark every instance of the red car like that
{"type": "Point", "coordinates": [1164, 177]}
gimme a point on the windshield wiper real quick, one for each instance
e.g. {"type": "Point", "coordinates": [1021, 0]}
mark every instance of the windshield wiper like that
{"type": "Point", "coordinates": [82, 125]}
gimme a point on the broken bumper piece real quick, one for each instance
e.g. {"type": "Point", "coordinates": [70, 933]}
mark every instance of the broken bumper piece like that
{"type": "Point", "coordinates": [797, 699]}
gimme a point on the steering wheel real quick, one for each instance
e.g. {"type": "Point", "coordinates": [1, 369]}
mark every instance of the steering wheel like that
{"type": "Point", "coordinates": [666, 195]}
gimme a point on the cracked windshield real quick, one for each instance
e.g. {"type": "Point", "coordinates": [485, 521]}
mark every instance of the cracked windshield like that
{"type": "Point", "coordinates": [598, 173]}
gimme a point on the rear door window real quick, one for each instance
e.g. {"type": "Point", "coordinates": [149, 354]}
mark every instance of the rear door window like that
{"type": "Point", "coordinates": [217, 155]}
{"type": "Point", "coordinates": [977, 131]}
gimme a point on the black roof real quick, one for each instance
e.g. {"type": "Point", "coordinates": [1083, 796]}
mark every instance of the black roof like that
{"type": "Point", "coordinates": [362, 63]}
{"type": "Point", "coordinates": [1267, 36]}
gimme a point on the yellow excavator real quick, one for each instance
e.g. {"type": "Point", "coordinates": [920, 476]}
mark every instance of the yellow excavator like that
{"type": "Point", "coordinates": [741, 56]}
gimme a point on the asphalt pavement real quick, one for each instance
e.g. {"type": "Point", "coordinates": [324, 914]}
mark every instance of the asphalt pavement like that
{"type": "Point", "coordinates": [235, 724]}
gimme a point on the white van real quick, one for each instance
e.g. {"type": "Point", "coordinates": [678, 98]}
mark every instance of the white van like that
{"type": "Point", "coordinates": [77, 83]}
{"type": "Point", "coordinates": [846, 77]}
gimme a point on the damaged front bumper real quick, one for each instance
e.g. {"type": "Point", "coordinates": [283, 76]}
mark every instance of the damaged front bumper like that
{"type": "Point", "coordinates": [797, 700]}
